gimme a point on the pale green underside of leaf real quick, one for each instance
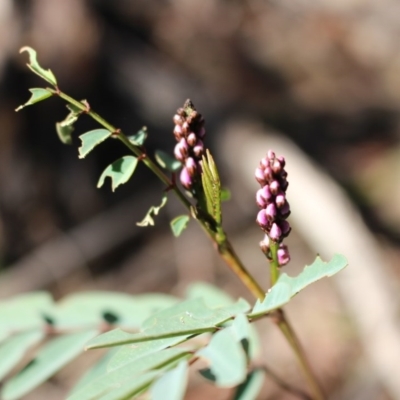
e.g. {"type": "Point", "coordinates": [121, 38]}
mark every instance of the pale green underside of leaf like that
{"type": "Point", "coordinates": [185, 318]}
{"type": "Point", "coordinates": [166, 161]}
{"type": "Point", "coordinates": [64, 132]}
{"type": "Point", "coordinates": [139, 138]}
{"type": "Point", "coordinates": [38, 94]}
{"type": "Point", "coordinates": [36, 68]}
{"type": "Point", "coordinates": [179, 224]}
{"type": "Point", "coordinates": [91, 139]}
{"type": "Point", "coordinates": [13, 350]}
{"type": "Point", "coordinates": [172, 385]}
{"type": "Point", "coordinates": [153, 211]}
{"type": "Point", "coordinates": [286, 287]}
{"type": "Point", "coordinates": [128, 374]}
{"type": "Point", "coordinates": [251, 387]}
{"type": "Point", "coordinates": [227, 360]}
{"type": "Point", "coordinates": [119, 171]}
{"type": "Point", "coordinates": [51, 358]}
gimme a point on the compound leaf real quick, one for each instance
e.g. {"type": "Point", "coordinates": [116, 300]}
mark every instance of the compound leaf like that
{"type": "Point", "coordinates": [91, 139]}
{"type": "Point", "coordinates": [119, 171]}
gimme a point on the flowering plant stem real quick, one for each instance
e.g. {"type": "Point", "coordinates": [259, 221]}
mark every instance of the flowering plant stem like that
{"type": "Point", "coordinates": [220, 239]}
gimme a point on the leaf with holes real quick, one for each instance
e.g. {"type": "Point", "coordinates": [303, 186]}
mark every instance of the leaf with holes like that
{"type": "Point", "coordinates": [91, 139]}
{"type": "Point", "coordinates": [38, 94]}
{"type": "Point", "coordinates": [119, 171]}
{"type": "Point", "coordinates": [286, 287]}
{"type": "Point", "coordinates": [36, 68]}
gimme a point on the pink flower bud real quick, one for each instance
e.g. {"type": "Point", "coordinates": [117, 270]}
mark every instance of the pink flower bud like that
{"type": "Point", "coordinates": [283, 255]}
{"type": "Point", "coordinates": [285, 210]}
{"type": "Point", "coordinates": [282, 160]}
{"type": "Point", "coordinates": [186, 179]}
{"type": "Point", "coordinates": [259, 174]}
{"type": "Point", "coordinates": [275, 233]}
{"type": "Point", "coordinates": [191, 167]}
{"type": "Point", "coordinates": [201, 133]}
{"type": "Point", "coordinates": [262, 219]}
{"type": "Point", "coordinates": [191, 139]}
{"type": "Point", "coordinates": [178, 120]}
{"type": "Point", "coordinates": [181, 150]}
{"type": "Point", "coordinates": [268, 174]}
{"type": "Point", "coordinates": [198, 150]}
{"type": "Point", "coordinates": [285, 227]}
{"type": "Point", "coordinates": [276, 167]}
{"type": "Point", "coordinates": [178, 132]}
{"type": "Point", "coordinates": [264, 245]}
{"type": "Point", "coordinates": [185, 128]}
{"type": "Point", "coordinates": [260, 199]}
{"type": "Point", "coordinates": [280, 200]}
{"type": "Point", "coordinates": [274, 187]}
{"type": "Point", "coordinates": [264, 162]}
{"type": "Point", "coordinates": [271, 211]}
{"type": "Point", "coordinates": [271, 155]}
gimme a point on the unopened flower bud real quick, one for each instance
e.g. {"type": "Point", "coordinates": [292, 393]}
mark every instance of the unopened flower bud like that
{"type": "Point", "coordinates": [271, 155]}
{"type": "Point", "coordinates": [280, 200]}
{"type": "Point", "coordinates": [285, 210]}
{"type": "Point", "coordinates": [201, 133]}
{"type": "Point", "coordinates": [178, 133]}
{"type": "Point", "coordinates": [181, 150]}
{"type": "Point", "coordinates": [283, 255]}
{"type": "Point", "coordinates": [259, 174]}
{"type": "Point", "coordinates": [178, 120]}
{"type": "Point", "coordinates": [260, 199]}
{"type": "Point", "coordinates": [185, 178]}
{"type": "Point", "coordinates": [185, 128]}
{"type": "Point", "coordinates": [285, 228]}
{"type": "Point", "coordinates": [274, 187]}
{"type": "Point", "coordinates": [264, 245]}
{"type": "Point", "coordinates": [275, 233]}
{"type": "Point", "coordinates": [282, 160]}
{"type": "Point", "coordinates": [268, 175]}
{"type": "Point", "coordinates": [262, 219]}
{"type": "Point", "coordinates": [191, 139]}
{"type": "Point", "coordinates": [264, 162]}
{"type": "Point", "coordinates": [191, 167]}
{"type": "Point", "coordinates": [276, 167]}
{"type": "Point", "coordinates": [271, 211]}
{"type": "Point", "coordinates": [198, 150]}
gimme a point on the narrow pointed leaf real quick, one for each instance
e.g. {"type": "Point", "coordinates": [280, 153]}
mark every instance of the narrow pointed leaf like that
{"type": "Point", "coordinates": [13, 350]}
{"type": "Point", "coordinates": [91, 139]}
{"type": "Point", "coordinates": [250, 389]}
{"type": "Point", "coordinates": [286, 287]}
{"type": "Point", "coordinates": [153, 211]}
{"type": "Point", "coordinates": [228, 365]}
{"type": "Point", "coordinates": [50, 360]}
{"type": "Point", "coordinates": [36, 68]}
{"type": "Point", "coordinates": [38, 94]}
{"type": "Point", "coordinates": [119, 171]}
{"type": "Point", "coordinates": [179, 224]}
{"type": "Point", "coordinates": [139, 138]}
{"type": "Point", "coordinates": [166, 161]}
{"type": "Point", "coordinates": [172, 385]}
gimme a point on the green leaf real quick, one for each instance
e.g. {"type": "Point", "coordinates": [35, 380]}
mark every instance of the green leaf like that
{"type": "Point", "coordinates": [91, 139]}
{"type": "Point", "coordinates": [212, 296]}
{"type": "Point", "coordinates": [66, 127]}
{"type": "Point", "coordinates": [47, 75]}
{"type": "Point", "coordinates": [172, 385]}
{"type": "Point", "coordinates": [250, 389]}
{"type": "Point", "coordinates": [286, 287]}
{"type": "Point", "coordinates": [228, 365]}
{"type": "Point", "coordinates": [130, 353]}
{"type": "Point", "coordinates": [38, 94]}
{"type": "Point", "coordinates": [166, 161]}
{"type": "Point", "coordinates": [119, 171]}
{"type": "Point", "coordinates": [185, 318]}
{"type": "Point", "coordinates": [225, 194]}
{"type": "Point", "coordinates": [128, 374]}
{"type": "Point", "coordinates": [139, 138]}
{"type": "Point", "coordinates": [179, 224]}
{"type": "Point", "coordinates": [24, 312]}
{"type": "Point", "coordinates": [153, 211]}
{"type": "Point", "coordinates": [50, 360]}
{"type": "Point", "coordinates": [212, 187]}
{"type": "Point", "coordinates": [90, 309]}
{"type": "Point", "coordinates": [13, 350]}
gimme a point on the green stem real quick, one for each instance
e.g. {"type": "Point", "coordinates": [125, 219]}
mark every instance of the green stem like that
{"type": "Point", "coordinates": [274, 264]}
{"type": "Point", "coordinates": [287, 330]}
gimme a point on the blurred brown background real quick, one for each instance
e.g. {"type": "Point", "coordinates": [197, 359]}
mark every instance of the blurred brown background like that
{"type": "Point", "coordinates": [323, 75]}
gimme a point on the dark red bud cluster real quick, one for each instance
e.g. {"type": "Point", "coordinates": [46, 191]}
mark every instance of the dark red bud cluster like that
{"type": "Point", "coordinates": [271, 199]}
{"type": "Point", "coordinates": [189, 132]}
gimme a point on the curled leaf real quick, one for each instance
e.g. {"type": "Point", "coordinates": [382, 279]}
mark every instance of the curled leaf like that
{"type": "Point", "coordinates": [179, 224]}
{"type": "Point", "coordinates": [34, 66]}
{"type": "Point", "coordinates": [139, 138]}
{"type": "Point", "coordinates": [153, 210]}
{"type": "Point", "coordinates": [91, 139]}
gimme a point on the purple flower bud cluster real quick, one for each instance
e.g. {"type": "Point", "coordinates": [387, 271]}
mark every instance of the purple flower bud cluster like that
{"type": "Point", "coordinates": [189, 132]}
{"type": "Point", "coordinates": [271, 199]}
